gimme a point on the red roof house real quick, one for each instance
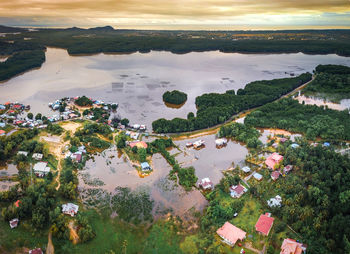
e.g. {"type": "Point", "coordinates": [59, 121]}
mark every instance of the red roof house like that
{"type": "Point", "coordinates": [231, 234]}
{"type": "Point", "coordinates": [2, 132]}
{"type": "Point", "coordinates": [264, 224]}
{"type": "Point", "coordinates": [290, 246]}
{"type": "Point", "coordinates": [237, 191]}
{"type": "Point", "coordinates": [275, 175]}
{"type": "Point", "coordinates": [36, 251]}
{"type": "Point", "coordinates": [17, 203]}
{"type": "Point", "coordinates": [273, 160]}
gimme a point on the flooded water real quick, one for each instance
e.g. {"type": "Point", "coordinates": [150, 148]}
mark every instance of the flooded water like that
{"type": "Point", "coordinates": [210, 161]}
{"type": "Point", "coordinates": [342, 105]}
{"type": "Point", "coordinates": [114, 170]}
{"type": "Point", "coordinates": [265, 133]}
{"type": "Point", "coordinates": [137, 81]}
{"type": "Point", "coordinates": [8, 170]}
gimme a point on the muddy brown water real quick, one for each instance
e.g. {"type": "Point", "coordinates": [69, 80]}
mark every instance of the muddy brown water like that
{"type": "Point", "coordinates": [114, 170]}
{"type": "Point", "coordinates": [137, 81]}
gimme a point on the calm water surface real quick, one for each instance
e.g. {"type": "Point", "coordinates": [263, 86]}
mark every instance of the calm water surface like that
{"type": "Point", "coordinates": [137, 81]}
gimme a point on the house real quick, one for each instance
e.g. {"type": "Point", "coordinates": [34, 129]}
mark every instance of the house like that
{"type": "Point", "coordinates": [36, 251]}
{"type": "Point", "coordinates": [275, 202]}
{"type": "Point", "coordinates": [134, 135]}
{"type": "Point", "coordinates": [258, 176]}
{"type": "Point", "coordinates": [273, 160]}
{"type": "Point", "coordinates": [283, 140]}
{"type": "Point", "coordinates": [136, 126]}
{"type": "Point", "coordinates": [17, 203]}
{"type": "Point", "coordinates": [294, 145]}
{"type": "Point", "coordinates": [221, 142]}
{"type": "Point", "coordinates": [237, 191]}
{"type": "Point", "coordinates": [2, 124]}
{"type": "Point", "coordinates": [138, 144]}
{"type": "Point", "coordinates": [22, 153]}
{"type": "Point", "coordinates": [2, 107]}
{"type": "Point", "coordinates": [326, 144]}
{"type": "Point", "coordinates": [37, 156]}
{"type": "Point", "coordinates": [231, 234]}
{"type": "Point", "coordinates": [275, 175]}
{"type": "Point", "coordinates": [70, 209]}
{"type": "Point", "coordinates": [290, 246]}
{"type": "Point", "coordinates": [2, 133]}
{"type": "Point", "coordinates": [145, 166]}
{"type": "Point", "coordinates": [41, 169]}
{"type": "Point", "coordinates": [14, 223]}
{"type": "Point", "coordinates": [287, 169]}
{"type": "Point", "coordinates": [246, 169]}
{"type": "Point", "coordinates": [206, 184]}
{"type": "Point", "coordinates": [264, 224]}
{"type": "Point", "coordinates": [76, 157]}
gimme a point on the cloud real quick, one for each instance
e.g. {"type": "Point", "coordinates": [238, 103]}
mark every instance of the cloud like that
{"type": "Point", "coordinates": [228, 12]}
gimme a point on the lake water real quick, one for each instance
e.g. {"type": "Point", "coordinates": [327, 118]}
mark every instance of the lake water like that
{"type": "Point", "coordinates": [137, 81]}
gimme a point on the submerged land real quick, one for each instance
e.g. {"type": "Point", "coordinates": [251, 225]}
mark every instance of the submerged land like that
{"type": "Point", "coordinates": [248, 153]}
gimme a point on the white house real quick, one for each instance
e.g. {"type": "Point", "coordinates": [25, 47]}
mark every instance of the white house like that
{"type": "Point", "coordinates": [41, 169]}
{"type": "Point", "coordinates": [246, 169]}
{"type": "Point", "coordinates": [14, 223]}
{"type": "Point", "coordinates": [70, 209]}
{"type": "Point", "coordinates": [275, 202]}
{"type": "Point", "coordinates": [23, 153]}
{"type": "Point", "coordinates": [37, 156]}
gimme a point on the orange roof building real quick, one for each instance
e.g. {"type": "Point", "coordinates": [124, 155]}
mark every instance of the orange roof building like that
{"type": "Point", "coordinates": [290, 246]}
{"type": "Point", "coordinates": [231, 234]}
{"type": "Point", "coordinates": [264, 224]}
{"type": "Point", "coordinates": [138, 144]}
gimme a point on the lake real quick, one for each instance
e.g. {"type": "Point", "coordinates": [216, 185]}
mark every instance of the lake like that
{"type": "Point", "coordinates": [137, 81]}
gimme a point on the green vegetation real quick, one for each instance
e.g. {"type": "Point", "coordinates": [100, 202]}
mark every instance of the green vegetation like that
{"type": "Point", "coordinates": [134, 207]}
{"type": "Point", "coordinates": [332, 81]}
{"type": "Point", "coordinates": [174, 97]}
{"type": "Point", "coordinates": [187, 176]}
{"type": "Point", "coordinates": [315, 197]}
{"type": "Point", "coordinates": [217, 108]}
{"type": "Point", "coordinates": [242, 133]}
{"type": "Point", "coordinates": [311, 120]}
{"type": "Point", "coordinates": [83, 101]}
{"type": "Point", "coordinates": [54, 129]}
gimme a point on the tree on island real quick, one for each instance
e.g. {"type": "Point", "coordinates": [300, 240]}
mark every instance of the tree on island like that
{"type": "Point", "coordinates": [174, 97]}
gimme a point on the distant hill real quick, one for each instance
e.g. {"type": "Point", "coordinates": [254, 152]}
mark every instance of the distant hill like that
{"type": "Point", "coordinates": [8, 29]}
{"type": "Point", "coordinates": [93, 29]}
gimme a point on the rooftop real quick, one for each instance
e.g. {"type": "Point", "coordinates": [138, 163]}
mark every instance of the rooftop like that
{"type": "Point", "coordinates": [264, 224]}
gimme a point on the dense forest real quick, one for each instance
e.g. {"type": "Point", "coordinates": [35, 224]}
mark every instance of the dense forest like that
{"type": "Point", "coordinates": [174, 97]}
{"type": "Point", "coordinates": [311, 120]}
{"type": "Point", "coordinates": [332, 81]}
{"type": "Point", "coordinates": [216, 108]}
{"type": "Point", "coordinates": [23, 56]}
{"type": "Point", "coordinates": [109, 40]}
{"type": "Point", "coordinates": [317, 198]}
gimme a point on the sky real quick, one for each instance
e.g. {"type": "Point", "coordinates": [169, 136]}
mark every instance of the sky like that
{"type": "Point", "coordinates": [178, 14]}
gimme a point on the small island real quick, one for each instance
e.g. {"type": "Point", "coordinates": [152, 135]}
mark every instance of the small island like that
{"type": "Point", "coordinates": [175, 97]}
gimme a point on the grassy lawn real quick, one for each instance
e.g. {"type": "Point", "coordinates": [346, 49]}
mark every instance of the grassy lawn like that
{"type": "Point", "coordinates": [111, 234]}
{"type": "Point", "coordinates": [247, 219]}
{"type": "Point", "coordinates": [22, 236]}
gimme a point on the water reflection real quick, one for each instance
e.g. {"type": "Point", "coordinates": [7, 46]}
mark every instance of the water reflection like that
{"type": "Point", "coordinates": [311, 100]}
{"type": "Point", "coordinates": [137, 81]}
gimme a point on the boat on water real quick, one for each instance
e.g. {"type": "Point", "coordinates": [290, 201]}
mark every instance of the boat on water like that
{"type": "Point", "coordinates": [198, 143]}
{"type": "Point", "coordinates": [189, 144]}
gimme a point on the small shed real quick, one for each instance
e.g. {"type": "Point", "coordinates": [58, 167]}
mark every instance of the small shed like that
{"type": "Point", "coordinates": [145, 166]}
{"type": "Point", "coordinates": [246, 169]}
{"type": "Point", "coordinates": [14, 222]}
{"type": "Point", "coordinates": [258, 176]}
